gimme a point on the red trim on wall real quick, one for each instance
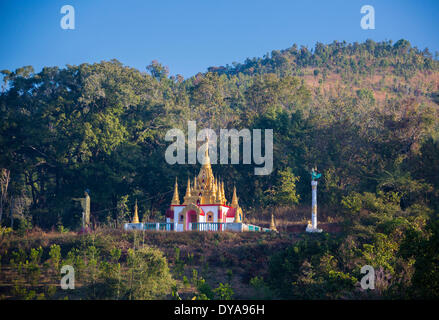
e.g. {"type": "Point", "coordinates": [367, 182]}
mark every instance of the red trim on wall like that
{"type": "Point", "coordinates": [231, 213]}
{"type": "Point", "coordinates": [223, 205]}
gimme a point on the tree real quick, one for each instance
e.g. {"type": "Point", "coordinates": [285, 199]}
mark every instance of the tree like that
{"type": "Point", "coordinates": [284, 193]}
{"type": "Point", "coordinates": [157, 70]}
{"type": "Point", "coordinates": [425, 282]}
{"type": "Point", "coordinates": [123, 212]}
{"type": "Point", "coordinates": [149, 275]}
{"type": "Point", "coordinates": [4, 183]}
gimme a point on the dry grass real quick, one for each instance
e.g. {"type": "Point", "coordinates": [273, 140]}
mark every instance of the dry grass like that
{"type": "Point", "coordinates": [286, 216]}
{"type": "Point", "coordinates": [383, 84]}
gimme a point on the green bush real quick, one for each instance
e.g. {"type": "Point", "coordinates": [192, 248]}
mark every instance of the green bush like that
{"type": "Point", "coordinates": [149, 275]}
{"type": "Point", "coordinates": [224, 292]}
{"type": "Point", "coordinates": [205, 290]}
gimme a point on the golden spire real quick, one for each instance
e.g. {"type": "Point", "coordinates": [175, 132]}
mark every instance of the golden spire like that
{"type": "Point", "coordinates": [195, 183]}
{"type": "Point", "coordinates": [136, 215]}
{"type": "Point", "coordinates": [175, 198]}
{"type": "Point", "coordinates": [238, 215]}
{"type": "Point", "coordinates": [206, 154]}
{"type": "Point", "coordinates": [188, 188]}
{"type": "Point", "coordinates": [223, 192]}
{"type": "Point", "coordinates": [188, 191]}
{"type": "Point", "coordinates": [219, 194]}
{"type": "Point", "coordinates": [272, 225]}
{"type": "Point", "coordinates": [205, 177]}
{"type": "Point", "coordinates": [234, 199]}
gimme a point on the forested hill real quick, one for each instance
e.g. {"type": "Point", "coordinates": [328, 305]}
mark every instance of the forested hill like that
{"type": "Point", "coordinates": [365, 114]}
{"type": "Point", "coordinates": [385, 68]}
{"type": "Point", "coordinates": [339, 57]}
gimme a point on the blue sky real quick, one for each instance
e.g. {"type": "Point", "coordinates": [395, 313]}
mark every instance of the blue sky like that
{"type": "Point", "coordinates": [191, 35]}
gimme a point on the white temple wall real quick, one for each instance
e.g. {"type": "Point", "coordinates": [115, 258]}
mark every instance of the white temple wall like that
{"type": "Point", "coordinates": [177, 211]}
{"type": "Point", "coordinates": [213, 209]}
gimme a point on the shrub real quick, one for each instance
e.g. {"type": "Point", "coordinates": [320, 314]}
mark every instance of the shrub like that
{"type": "Point", "coordinates": [224, 292]}
{"type": "Point", "coordinates": [149, 274]}
{"type": "Point", "coordinates": [261, 289]}
{"type": "Point", "coordinates": [204, 290]}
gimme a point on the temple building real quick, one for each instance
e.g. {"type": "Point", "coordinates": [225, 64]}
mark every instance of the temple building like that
{"type": "Point", "coordinates": [204, 207]}
{"type": "Point", "coordinates": [204, 202]}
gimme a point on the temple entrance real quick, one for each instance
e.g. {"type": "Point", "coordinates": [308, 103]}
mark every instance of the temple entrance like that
{"type": "Point", "coordinates": [190, 213]}
{"type": "Point", "coordinates": [191, 218]}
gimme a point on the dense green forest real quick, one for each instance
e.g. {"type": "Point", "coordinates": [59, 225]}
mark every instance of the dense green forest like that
{"type": "Point", "coordinates": [366, 114]}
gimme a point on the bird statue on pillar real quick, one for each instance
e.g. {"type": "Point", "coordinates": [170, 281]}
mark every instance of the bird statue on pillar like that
{"type": "Point", "coordinates": [314, 174]}
{"type": "Point", "coordinates": [313, 226]}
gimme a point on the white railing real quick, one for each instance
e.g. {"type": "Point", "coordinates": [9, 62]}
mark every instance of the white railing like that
{"type": "Point", "coordinates": [195, 226]}
{"type": "Point", "coordinates": [207, 226]}
{"type": "Point", "coordinates": [159, 226]}
{"type": "Point", "coordinates": [156, 226]}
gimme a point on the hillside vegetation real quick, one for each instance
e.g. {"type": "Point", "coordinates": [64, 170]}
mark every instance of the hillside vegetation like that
{"type": "Point", "coordinates": [366, 114]}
